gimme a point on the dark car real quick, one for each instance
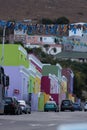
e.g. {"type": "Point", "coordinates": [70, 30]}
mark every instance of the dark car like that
{"type": "Point", "coordinates": [67, 105]}
{"type": "Point", "coordinates": [11, 106]}
{"type": "Point", "coordinates": [77, 106]}
{"type": "Point", "coordinates": [51, 106]}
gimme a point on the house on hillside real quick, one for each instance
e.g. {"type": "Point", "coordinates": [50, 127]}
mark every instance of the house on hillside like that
{"type": "Point", "coordinates": [39, 40]}
{"type": "Point", "coordinates": [77, 29]}
{"type": "Point", "coordinates": [47, 43]}
{"type": "Point", "coordinates": [20, 34]}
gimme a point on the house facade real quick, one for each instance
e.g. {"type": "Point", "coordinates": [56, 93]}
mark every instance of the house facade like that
{"type": "Point", "coordinates": [35, 69]}
{"type": "Point", "coordinates": [51, 74]}
{"type": "Point", "coordinates": [68, 73]}
{"type": "Point", "coordinates": [77, 29]}
{"type": "Point", "coordinates": [16, 66]}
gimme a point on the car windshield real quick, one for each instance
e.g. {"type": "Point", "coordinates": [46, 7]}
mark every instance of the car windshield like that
{"type": "Point", "coordinates": [76, 104]}
{"type": "Point", "coordinates": [49, 105]}
{"type": "Point", "coordinates": [8, 100]}
{"type": "Point", "coordinates": [66, 102]}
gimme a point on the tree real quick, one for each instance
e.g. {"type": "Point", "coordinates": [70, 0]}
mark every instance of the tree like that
{"type": "Point", "coordinates": [62, 20]}
{"type": "Point", "coordinates": [46, 21]}
{"type": "Point", "coordinates": [79, 70]}
{"type": "Point", "coordinates": [47, 47]}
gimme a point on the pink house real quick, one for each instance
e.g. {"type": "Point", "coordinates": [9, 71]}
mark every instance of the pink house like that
{"type": "Point", "coordinates": [39, 39]}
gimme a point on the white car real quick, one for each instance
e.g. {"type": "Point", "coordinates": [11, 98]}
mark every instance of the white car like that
{"type": "Point", "coordinates": [85, 106]}
{"type": "Point", "coordinates": [25, 107]}
{"type": "Point", "coordinates": [22, 102]}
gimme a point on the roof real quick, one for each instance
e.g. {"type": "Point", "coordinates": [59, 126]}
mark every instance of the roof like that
{"type": "Point", "coordinates": [72, 55]}
{"type": "Point", "coordinates": [52, 69]}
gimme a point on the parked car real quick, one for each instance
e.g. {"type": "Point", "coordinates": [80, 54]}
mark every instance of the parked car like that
{"type": "Point", "coordinates": [85, 106]}
{"type": "Point", "coordinates": [25, 107]}
{"type": "Point", "coordinates": [77, 106]}
{"type": "Point", "coordinates": [51, 106]}
{"type": "Point", "coordinates": [11, 106]}
{"type": "Point", "coordinates": [67, 105]}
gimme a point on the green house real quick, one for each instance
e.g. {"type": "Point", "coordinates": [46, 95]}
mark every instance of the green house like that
{"type": "Point", "coordinates": [52, 69]}
{"type": "Point", "coordinates": [13, 55]}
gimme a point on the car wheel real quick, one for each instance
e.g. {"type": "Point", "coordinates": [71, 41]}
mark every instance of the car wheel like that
{"type": "Point", "coordinates": [17, 112]}
{"type": "Point", "coordinates": [61, 110]}
{"type": "Point", "coordinates": [14, 112]}
{"type": "Point", "coordinates": [29, 112]}
{"type": "Point", "coordinates": [26, 112]}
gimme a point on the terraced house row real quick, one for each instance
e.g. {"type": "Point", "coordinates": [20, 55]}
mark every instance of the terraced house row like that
{"type": "Point", "coordinates": [33, 81]}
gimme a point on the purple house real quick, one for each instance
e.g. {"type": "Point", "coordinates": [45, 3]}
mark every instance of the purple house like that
{"type": "Point", "coordinates": [67, 72]}
{"type": "Point", "coordinates": [19, 77]}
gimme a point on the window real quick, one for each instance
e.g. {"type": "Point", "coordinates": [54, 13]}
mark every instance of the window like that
{"type": "Point", "coordinates": [40, 39]}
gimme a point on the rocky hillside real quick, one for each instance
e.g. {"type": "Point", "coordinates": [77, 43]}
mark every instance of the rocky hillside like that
{"type": "Point", "coordinates": [74, 10]}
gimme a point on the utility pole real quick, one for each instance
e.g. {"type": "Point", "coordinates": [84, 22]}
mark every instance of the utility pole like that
{"type": "Point", "coordinates": [3, 41]}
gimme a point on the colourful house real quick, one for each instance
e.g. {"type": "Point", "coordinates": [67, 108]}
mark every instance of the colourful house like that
{"type": "Point", "coordinates": [51, 75]}
{"type": "Point", "coordinates": [68, 73]}
{"type": "Point", "coordinates": [13, 55]}
{"type": "Point", "coordinates": [35, 69]}
{"type": "Point", "coordinates": [19, 78]}
{"type": "Point", "coordinates": [63, 88]}
{"type": "Point", "coordinates": [16, 65]}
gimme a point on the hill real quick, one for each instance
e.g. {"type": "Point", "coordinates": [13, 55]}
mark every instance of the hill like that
{"type": "Point", "coordinates": [74, 10]}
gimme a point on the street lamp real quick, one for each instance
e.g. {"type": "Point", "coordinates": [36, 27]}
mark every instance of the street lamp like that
{"type": "Point", "coordinates": [3, 41]}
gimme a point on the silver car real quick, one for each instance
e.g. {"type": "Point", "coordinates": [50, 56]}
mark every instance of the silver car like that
{"type": "Point", "coordinates": [85, 106]}
{"type": "Point", "coordinates": [25, 107]}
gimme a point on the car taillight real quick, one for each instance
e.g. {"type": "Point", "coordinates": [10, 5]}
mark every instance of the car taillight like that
{"type": "Point", "coordinates": [13, 104]}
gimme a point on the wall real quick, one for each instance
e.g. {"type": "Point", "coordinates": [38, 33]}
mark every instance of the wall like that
{"type": "Point", "coordinates": [39, 39]}
{"type": "Point", "coordinates": [67, 72]}
{"type": "Point", "coordinates": [45, 84]}
{"type": "Point", "coordinates": [34, 102]}
{"type": "Point", "coordinates": [16, 82]}
{"type": "Point", "coordinates": [41, 102]}
{"type": "Point", "coordinates": [14, 55]}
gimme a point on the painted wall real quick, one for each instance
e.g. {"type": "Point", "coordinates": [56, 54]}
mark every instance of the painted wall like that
{"type": "Point", "coordinates": [31, 84]}
{"type": "Point", "coordinates": [36, 69]}
{"type": "Point", "coordinates": [36, 39]}
{"type": "Point", "coordinates": [54, 86]}
{"type": "Point", "coordinates": [18, 81]}
{"type": "Point", "coordinates": [67, 72]}
{"type": "Point", "coordinates": [14, 55]}
{"type": "Point", "coordinates": [37, 84]}
{"type": "Point", "coordinates": [64, 85]}
{"type": "Point", "coordinates": [41, 102]}
{"type": "Point", "coordinates": [34, 102]}
{"type": "Point", "coordinates": [78, 29]}
{"type": "Point", "coordinates": [50, 88]}
{"type": "Point", "coordinates": [55, 97]}
{"type": "Point", "coordinates": [45, 84]}
{"type": "Point", "coordinates": [46, 97]}
{"type": "Point", "coordinates": [52, 69]}
{"type": "Point", "coordinates": [63, 96]}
